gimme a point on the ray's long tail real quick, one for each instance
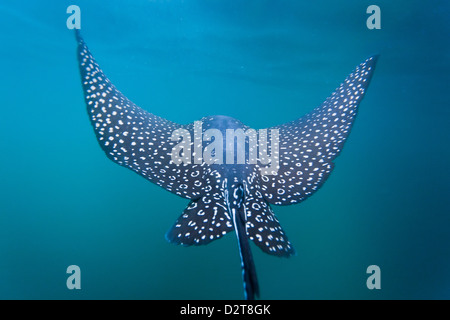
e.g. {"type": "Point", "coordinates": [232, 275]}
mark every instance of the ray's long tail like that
{"type": "Point", "coordinates": [251, 287]}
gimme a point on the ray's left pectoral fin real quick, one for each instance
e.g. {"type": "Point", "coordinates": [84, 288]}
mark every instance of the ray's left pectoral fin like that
{"type": "Point", "coordinates": [131, 136]}
{"type": "Point", "coordinates": [308, 146]}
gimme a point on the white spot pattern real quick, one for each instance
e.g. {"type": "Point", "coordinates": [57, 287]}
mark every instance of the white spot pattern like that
{"type": "Point", "coordinates": [310, 144]}
{"type": "Point", "coordinates": [133, 137]}
{"type": "Point", "coordinates": [140, 141]}
{"type": "Point", "coordinates": [204, 220]}
{"type": "Point", "coordinates": [262, 225]}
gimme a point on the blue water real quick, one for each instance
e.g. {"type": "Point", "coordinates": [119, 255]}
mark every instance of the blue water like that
{"type": "Point", "coordinates": [62, 202]}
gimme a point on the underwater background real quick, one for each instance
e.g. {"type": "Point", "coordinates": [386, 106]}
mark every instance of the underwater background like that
{"type": "Point", "coordinates": [62, 202]}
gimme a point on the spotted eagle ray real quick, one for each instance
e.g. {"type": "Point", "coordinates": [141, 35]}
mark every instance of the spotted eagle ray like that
{"type": "Point", "coordinates": [225, 197]}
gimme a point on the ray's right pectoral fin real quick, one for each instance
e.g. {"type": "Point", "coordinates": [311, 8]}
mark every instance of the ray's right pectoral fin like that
{"type": "Point", "coordinates": [204, 220]}
{"type": "Point", "coordinates": [309, 145]}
